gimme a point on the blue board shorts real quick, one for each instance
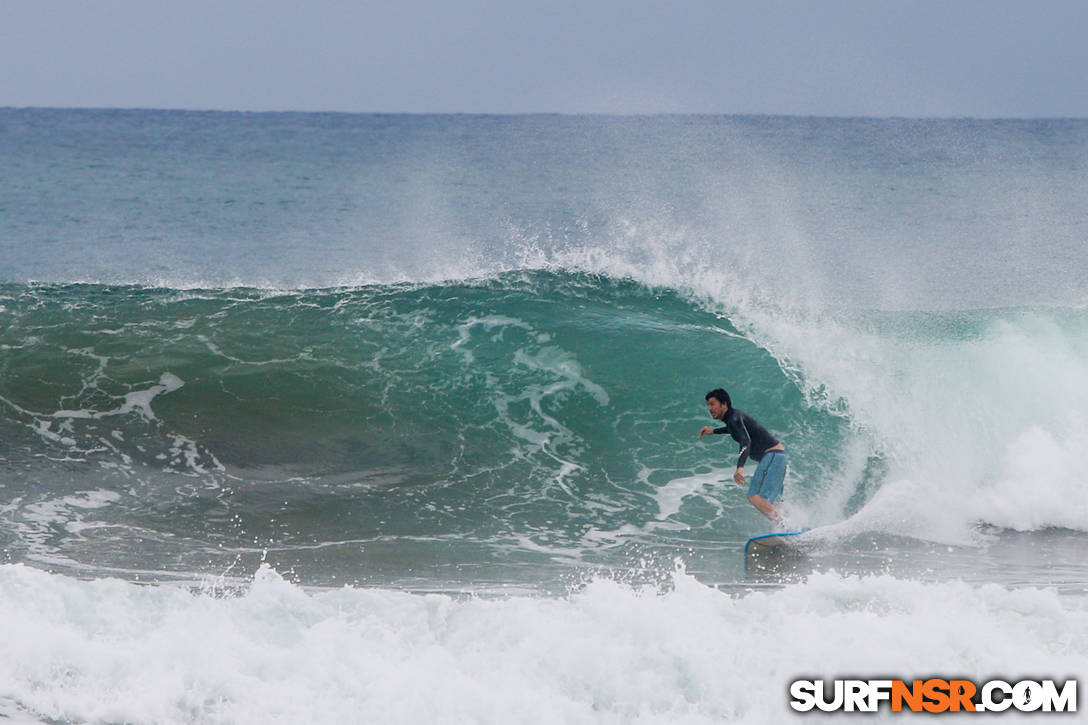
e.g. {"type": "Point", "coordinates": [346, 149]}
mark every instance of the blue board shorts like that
{"type": "Point", "coordinates": [769, 477]}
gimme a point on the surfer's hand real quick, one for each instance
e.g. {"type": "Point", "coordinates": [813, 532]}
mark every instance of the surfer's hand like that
{"type": "Point", "coordinates": [706, 431]}
{"type": "Point", "coordinates": [739, 477]}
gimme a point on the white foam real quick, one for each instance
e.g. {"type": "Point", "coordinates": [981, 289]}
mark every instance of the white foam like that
{"type": "Point", "coordinates": [488, 323]}
{"type": "Point", "coordinates": [1042, 482]}
{"type": "Point", "coordinates": [109, 651]}
{"type": "Point", "coordinates": [671, 496]}
{"type": "Point", "coordinates": [138, 401]}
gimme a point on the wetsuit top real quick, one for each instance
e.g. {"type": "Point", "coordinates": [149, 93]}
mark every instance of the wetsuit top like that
{"type": "Point", "coordinates": [753, 438]}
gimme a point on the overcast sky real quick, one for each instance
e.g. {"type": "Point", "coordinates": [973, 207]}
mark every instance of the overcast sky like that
{"type": "Point", "coordinates": [985, 58]}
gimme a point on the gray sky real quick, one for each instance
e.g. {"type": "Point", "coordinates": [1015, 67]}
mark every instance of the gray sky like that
{"type": "Point", "coordinates": [987, 58]}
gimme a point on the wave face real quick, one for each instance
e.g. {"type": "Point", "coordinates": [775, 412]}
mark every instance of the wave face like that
{"type": "Point", "coordinates": [530, 411]}
{"type": "Point", "coordinates": [531, 416]}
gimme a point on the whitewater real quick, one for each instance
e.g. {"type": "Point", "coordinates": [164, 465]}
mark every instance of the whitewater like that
{"type": "Point", "coordinates": [340, 418]}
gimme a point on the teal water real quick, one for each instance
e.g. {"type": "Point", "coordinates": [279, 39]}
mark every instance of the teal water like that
{"type": "Point", "coordinates": [529, 412]}
{"type": "Point", "coordinates": [496, 430]}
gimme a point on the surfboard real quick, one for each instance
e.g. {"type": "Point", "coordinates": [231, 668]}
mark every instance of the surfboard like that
{"type": "Point", "coordinates": [765, 542]}
{"type": "Point", "coordinates": [775, 553]}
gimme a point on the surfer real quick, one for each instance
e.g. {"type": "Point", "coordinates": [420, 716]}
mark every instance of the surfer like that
{"type": "Point", "coordinates": [766, 486]}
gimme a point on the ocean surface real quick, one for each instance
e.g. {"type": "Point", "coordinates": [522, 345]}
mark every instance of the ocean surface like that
{"type": "Point", "coordinates": [336, 418]}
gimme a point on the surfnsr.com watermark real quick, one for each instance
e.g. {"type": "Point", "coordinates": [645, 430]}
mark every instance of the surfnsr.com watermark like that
{"type": "Point", "coordinates": [934, 695]}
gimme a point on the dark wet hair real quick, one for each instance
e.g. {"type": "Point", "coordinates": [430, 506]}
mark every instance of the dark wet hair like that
{"type": "Point", "coordinates": [720, 395]}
